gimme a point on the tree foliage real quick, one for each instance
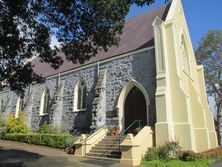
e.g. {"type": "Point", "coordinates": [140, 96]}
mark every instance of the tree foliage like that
{"type": "Point", "coordinates": [82, 26]}
{"type": "Point", "coordinates": [209, 53]}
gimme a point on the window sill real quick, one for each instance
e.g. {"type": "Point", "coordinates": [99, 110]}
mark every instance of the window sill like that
{"type": "Point", "coordinates": [44, 114]}
{"type": "Point", "coordinates": [79, 110]}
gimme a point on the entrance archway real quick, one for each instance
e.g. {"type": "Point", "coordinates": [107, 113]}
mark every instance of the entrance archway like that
{"type": "Point", "coordinates": [133, 89]}
{"type": "Point", "coordinates": [135, 109]}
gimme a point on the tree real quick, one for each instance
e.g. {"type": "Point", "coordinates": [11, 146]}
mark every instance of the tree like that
{"type": "Point", "coordinates": [82, 26]}
{"type": "Point", "coordinates": [209, 53]}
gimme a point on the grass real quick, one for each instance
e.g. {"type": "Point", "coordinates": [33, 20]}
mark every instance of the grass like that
{"type": "Point", "coordinates": [178, 163]}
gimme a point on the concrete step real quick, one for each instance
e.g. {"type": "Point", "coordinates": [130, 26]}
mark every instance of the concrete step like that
{"type": "Point", "coordinates": [110, 139]}
{"type": "Point", "coordinates": [109, 142]}
{"type": "Point", "coordinates": [105, 148]}
{"type": "Point", "coordinates": [108, 155]}
{"type": "Point", "coordinates": [95, 150]}
{"type": "Point", "coordinates": [105, 151]}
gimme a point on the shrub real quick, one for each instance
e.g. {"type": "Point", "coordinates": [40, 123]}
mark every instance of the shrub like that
{"type": "Point", "coordinates": [48, 129]}
{"type": "Point", "coordinates": [187, 156]}
{"type": "Point", "coordinates": [152, 154]}
{"type": "Point", "coordinates": [2, 121]}
{"type": "Point", "coordinates": [51, 140]}
{"type": "Point", "coordinates": [2, 125]}
{"type": "Point", "coordinates": [16, 125]}
{"type": "Point", "coordinates": [169, 150]}
{"type": "Point", "coordinates": [69, 141]}
{"type": "Point", "coordinates": [3, 130]}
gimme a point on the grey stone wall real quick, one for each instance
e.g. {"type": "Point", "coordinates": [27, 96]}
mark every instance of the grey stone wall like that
{"type": "Point", "coordinates": [140, 67]}
{"type": "Point", "coordinates": [5, 100]}
{"type": "Point", "coordinates": [82, 119]}
{"type": "Point", "coordinates": [33, 103]}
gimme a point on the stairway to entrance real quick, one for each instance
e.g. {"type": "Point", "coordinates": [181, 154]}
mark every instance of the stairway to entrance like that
{"type": "Point", "coordinates": [108, 147]}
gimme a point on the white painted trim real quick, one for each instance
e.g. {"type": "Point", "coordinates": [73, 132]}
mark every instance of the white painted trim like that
{"type": "Point", "coordinates": [79, 110]}
{"type": "Point", "coordinates": [168, 91]}
{"type": "Point", "coordinates": [42, 103]}
{"type": "Point", "coordinates": [75, 94]}
{"type": "Point", "coordinates": [122, 98]}
{"type": "Point", "coordinates": [172, 10]}
{"type": "Point", "coordinates": [177, 54]}
{"type": "Point", "coordinates": [192, 134]}
{"type": "Point", "coordinates": [183, 37]}
{"type": "Point", "coordinates": [17, 107]}
{"type": "Point", "coordinates": [101, 61]}
{"type": "Point", "coordinates": [199, 128]}
{"type": "Point", "coordinates": [43, 114]}
{"type": "Point", "coordinates": [158, 45]}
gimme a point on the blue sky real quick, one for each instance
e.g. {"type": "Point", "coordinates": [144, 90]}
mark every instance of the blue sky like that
{"type": "Point", "coordinates": [201, 15]}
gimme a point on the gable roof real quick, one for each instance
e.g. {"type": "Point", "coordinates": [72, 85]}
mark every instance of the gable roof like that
{"type": "Point", "coordinates": [137, 34]}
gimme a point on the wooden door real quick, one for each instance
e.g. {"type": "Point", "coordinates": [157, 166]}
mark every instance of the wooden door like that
{"type": "Point", "coordinates": [135, 108]}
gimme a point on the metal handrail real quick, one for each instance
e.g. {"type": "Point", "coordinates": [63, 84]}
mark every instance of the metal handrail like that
{"type": "Point", "coordinates": [124, 130]}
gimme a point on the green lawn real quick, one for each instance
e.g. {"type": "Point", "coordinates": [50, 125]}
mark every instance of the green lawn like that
{"type": "Point", "coordinates": [178, 163]}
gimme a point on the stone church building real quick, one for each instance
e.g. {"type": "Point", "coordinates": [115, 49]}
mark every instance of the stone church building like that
{"type": "Point", "coordinates": [152, 76]}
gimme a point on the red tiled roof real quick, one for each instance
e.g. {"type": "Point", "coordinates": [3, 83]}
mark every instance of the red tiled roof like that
{"type": "Point", "coordinates": [137, 34]}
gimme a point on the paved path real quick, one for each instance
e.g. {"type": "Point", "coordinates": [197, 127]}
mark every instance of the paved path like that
{"type": "Point", "coordinates": [217, 164]}
{"type": "Point", "coordinates": [15, 154]}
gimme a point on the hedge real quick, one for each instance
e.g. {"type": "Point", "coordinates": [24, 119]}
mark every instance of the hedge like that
{"type": "Point", "coordinates": [51, 140]}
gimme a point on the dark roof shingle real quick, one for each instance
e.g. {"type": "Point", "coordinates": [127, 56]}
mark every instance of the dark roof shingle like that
{"type": "Point", "coordinates": [137, 34]}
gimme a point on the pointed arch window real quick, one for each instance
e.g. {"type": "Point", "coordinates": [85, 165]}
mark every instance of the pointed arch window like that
{"type": "Point", "coordinates": [185, 56]}
{"type": "Point", "coordinates": [19, 106]}
{"type": "Point", "coordinates": [80, 96]}
{"type": "Point", "coordinates": [44, 105]}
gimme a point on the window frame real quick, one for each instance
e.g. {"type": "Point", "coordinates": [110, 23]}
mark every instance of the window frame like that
{"type": "Point", "coordinates": [83, 98]}
{"type": "Point", "coordinates": [45, 97]}
{"type": "Point", "coordinates": [19, 106]}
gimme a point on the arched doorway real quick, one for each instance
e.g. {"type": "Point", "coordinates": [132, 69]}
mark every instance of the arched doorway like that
{"type": "Point", "coordinates": [128, 90]}
{"type": "Point", "coordinates": [135, 109]}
